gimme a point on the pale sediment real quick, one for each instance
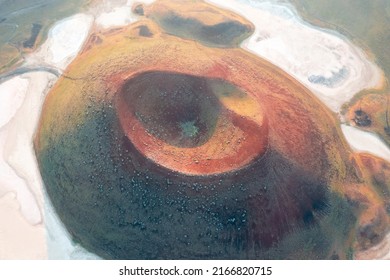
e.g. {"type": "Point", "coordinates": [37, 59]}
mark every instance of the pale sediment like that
{"type": "Point", "coordinates": [363, 141]}
{"type": "Point", "coordinates": [324, 61]}
{"type": "Point", "coordinates": [115, 16]}
{"type": "Point", "coordinates": [23, 96]}
{"type": "Point", "coordinates": [333, 68]}
{"type": "Point", "coordinates": [18, 239]}
{"type": "Point", "coordinates": [11, 98]}
{"type": "Point", "coordinates": [64, 42]}
{"type": "Point", "coordinates": [21, 99]}
{"type": "Point", "coordinates": [19, 168]}
{"type": "Point", "coordinates": [379, 252]}
{"type": "Point", "coordinates": [327, 63]}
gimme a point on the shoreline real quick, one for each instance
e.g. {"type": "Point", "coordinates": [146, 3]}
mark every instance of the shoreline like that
{"type": "Point", "coordinates": [26, 200]}
{"type": "Point", "coordinates": [363, 141]}
{"type": "Point", "coordinates": [323, 55]}
{"type": "Point", "coordinates": [18, 125]}
{"type": "Point", "coordinates": [65, 40]}
{"type": "Point", "coordinates": [20, 174]}
{"type": "Point", "coordinates": [380, 251]}
{"type": "Point", "coordinates": [333, 98]}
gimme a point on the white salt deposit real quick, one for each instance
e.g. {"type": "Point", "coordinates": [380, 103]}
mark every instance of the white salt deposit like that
{"type": "Point", "coordinates": [64, 42]}
{"type": "Point", "coordinates": [363, 141]}
{"type": "Point", "coordinates": [327, 63]}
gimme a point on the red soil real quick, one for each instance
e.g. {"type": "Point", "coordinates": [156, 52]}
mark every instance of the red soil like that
{"type": "Point", "coordinates": [234, 141]}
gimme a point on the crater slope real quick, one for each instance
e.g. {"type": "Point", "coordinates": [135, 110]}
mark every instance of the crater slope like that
{"type": "Point", "coordinates": [157, 147]}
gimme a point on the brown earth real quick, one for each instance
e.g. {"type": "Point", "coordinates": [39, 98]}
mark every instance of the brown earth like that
{"type": "Point", "coordinates": [153, 107]}
{"type": "Point", "coordinates": [200, 21]}
{"type": "Point", "coordinates": [240, 131]}
{"type": "Point", "coordinates": [375, 106]}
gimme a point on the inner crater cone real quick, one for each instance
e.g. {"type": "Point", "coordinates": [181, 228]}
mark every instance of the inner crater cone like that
{"type": "Point", "coordinates": [192, 125]}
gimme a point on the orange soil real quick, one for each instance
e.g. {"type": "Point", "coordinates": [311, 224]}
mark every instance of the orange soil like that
{"type": "Point", "coordinates": [295, 118]}
{"type": "Point", "coordinates": [375, 106]}
{"type": "Point", "coordinates": [235, 141]}
{"type": "Point", "coordinates": [204, 12]}
{"type": "Point", "coordinates": [374, 220]}
{"type": "Point", "coordinates": [288, 120]}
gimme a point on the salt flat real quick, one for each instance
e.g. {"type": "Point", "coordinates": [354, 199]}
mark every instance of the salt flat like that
{"type": "Point", "coordinates": [19, 173]}
{"type": "Point", "coordinates": [33, 223]}
{"type": "Point", "coordinates": [64, 42]}
{"type": "Point", "coordinates": [115, 16]}
{"type": "Point", "coordinates": [23, 98]}
{"type": "Point", "coordinates": [119, 16]}
{"type": "Point", "coordinates": [324, 61]}
{"type": "Point", "coordinates": [11, 98]}
{"type": "Point", "coordinates": [327, 63]}
{"type": "Point", "coordinates": [18, 239]}
{"type": "Point", "coordinates": [362, 141]}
